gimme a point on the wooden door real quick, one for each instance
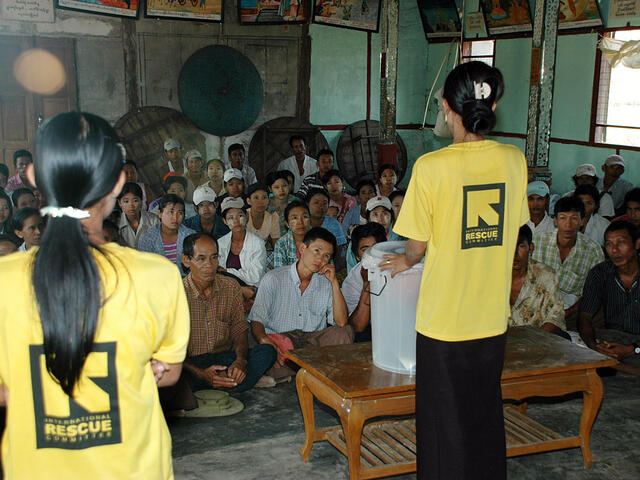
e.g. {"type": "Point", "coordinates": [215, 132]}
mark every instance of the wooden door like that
{"type": "Point", "coordinates": [20, 110]}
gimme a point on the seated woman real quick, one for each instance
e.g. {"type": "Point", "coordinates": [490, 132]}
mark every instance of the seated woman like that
{"type": "Point", "coordinates": [175, 184]}
{"type": "Point", "coordinates": [396, 198]}
{"type": "Point", "coordinates": [318, 201]}
{"type": "Point", "coordinates": [206, 220]}
{"type": "Point", "coordinates": [6, 211]}
{"type": "Point", "coordinates": [387, 179]}
{"type": "Point", "coordinates": [379, 210]}
{"type": "Point", "coordinates": [242, 253]}
{"type": "Point", "coordinates": [134, 221]}
{"type": "Point", "coordinates": [264, 224]}
{"type": "Point", "coordinates": [27, 226]}
{"type": "Point", "coordinates": [298, 221]}
{"type": "Point", "coordinates": [333, 182]}
{"type": "Point", "coordinates": [167, 237]}
{"type": "Point", "coordinates": [280, 188]}
{"type": "Point", "coordinates": [215, 176]}
{"type": "Point", "coordinates": [365, 189]}
{"type": "Point", "coordinates": [130, 170]}
{"type": "Point", "coordinates": [593, 225]}
{"type": "Point", "coordinates": [355, 287]}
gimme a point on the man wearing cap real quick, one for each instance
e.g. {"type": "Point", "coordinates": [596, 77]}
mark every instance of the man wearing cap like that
{"type": "Point", "coordinates": [172, 151]}
{"type": "Point", "coordinates": [206, 220]}
{"type": "Point", "coordinates": [538, 198]}
{"type": "Point", "coordinates": [299, 164]}
{"type": "Point", "coordinates": [218, 355]}
{"type": "Point", "coordinates": [612, 182]}
{"type": "Point", "coordinates": [194, 174]}
{"type": "Point", "coordinates": [569, 253]}
{"type": "Point", "coordinates": [586, 175]}
{"type": "Point", "coordinates": [236, 159]}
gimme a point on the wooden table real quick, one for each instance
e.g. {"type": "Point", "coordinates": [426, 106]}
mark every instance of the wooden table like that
{"type": "Point", "coordinates": [343, 377]}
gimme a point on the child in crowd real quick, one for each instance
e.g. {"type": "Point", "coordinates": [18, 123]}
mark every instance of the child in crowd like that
{"type": "Point", "coordinates": [206, 220]}
{"type": "Point", "coordinates": [332, 212]}
{"type": "Point", "coordinates": [167, 238]}
{"type": "Point", "coordinates": [593, 225]}
{"type": "Point", "coordinates": [4, 175]}
{"type": "Point", "coordinates": [242, 253]}
{"type": "Point", "coordinates": [6, 211]}
{"type": "Point", "coordinates": [318, 201]}
{"type": "Point", "coordinates": [24, 198]}
{"type": "Point", "coordinates": [27, 226]}
{"type": "Point", "coordinates": [134, 221]}
{"type": "Point", "coordinates": [130, 170]}
{"type": "Point", "coordinates": [215, 176]}
{"type": "Point", "coordinates": [110, 232]}
{"type": "Point", "coordinates": [175, 184]}
{"type": "Point", "coordinates": [280, 196]}
{"type": "Point", "coordinates": [387, 179]}
{"type": "Point", "coordinates": [298, 221]}
{"type": "Point", "coordinates": [396, 198]}
{"type": "Point", "coordinates": [365, 189]}
{"type": "Point", "coordinates": [7, 245]}
{"type": "Point", "coordinates": [333, 182]}
{"type": "Point", "coordinates": [264, 224]}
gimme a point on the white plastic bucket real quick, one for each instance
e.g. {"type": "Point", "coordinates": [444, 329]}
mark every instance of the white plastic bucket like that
{"type": "Point", "coordinates": [393, 310]}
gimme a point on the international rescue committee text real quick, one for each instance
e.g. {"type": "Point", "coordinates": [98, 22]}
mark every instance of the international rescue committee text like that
{"type": "Point", "coordinates": [77, 429]}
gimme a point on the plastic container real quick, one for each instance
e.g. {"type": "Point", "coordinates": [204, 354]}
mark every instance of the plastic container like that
{"type": "Point", "coordinates": [393, 310]}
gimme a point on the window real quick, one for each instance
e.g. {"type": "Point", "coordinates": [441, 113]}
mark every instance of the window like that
{"type": "Point", "coordinates": [618, 102]}
{"type": "Point", "coordinates": [479, 50]}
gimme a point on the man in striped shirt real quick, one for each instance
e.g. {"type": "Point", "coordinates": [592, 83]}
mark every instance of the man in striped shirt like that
{"type": "Point", "coordinates": [614, 286]}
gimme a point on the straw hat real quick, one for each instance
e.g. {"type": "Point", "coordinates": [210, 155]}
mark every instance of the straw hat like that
{"type": "Point", "coordinates": [215, 403]}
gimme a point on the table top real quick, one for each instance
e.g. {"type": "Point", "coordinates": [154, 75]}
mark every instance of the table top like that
{"type": "Point", "coordinates": [349, 369]}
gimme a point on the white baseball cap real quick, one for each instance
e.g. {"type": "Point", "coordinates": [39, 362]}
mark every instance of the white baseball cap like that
{"type": "Point", "coordinates": [232, 202]}
{"type": "Point", "coordinates": [203, 194]}
{"type": "Point", "coordinates": [378, 202]}
{"type": "Point", "coordinates": [586, 169]}
{"type": "Point", "coordinates": [614, 160]}
{"type": "Point", "coordinates": [537, 188]}
{"type": "Point", "coordinates": [232, 173]}
{"type": "Point", "coordinates": [171, 143]}
{"type": "Point", "coordinates": [192, 153]}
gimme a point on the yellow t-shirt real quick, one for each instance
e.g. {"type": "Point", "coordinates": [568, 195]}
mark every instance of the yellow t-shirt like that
{"type": "Point", "coordinates": [113, 427]}
{"type": "Point", "coordinates": [467, 201]}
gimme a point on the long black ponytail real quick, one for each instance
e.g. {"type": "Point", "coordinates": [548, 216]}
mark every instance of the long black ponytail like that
{"type": "Point", "coordinates": [78, 162]}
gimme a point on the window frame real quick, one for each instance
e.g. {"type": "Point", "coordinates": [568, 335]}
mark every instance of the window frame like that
{"type": "Point", "coordinates": [468, 58]}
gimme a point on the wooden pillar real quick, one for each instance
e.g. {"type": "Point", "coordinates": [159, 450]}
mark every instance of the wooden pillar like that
{"type": "Point", "coordinates": [303, 98]}
{"type": "Point", "coordinates": [543, 60]}
{"type": "Point", "coordinates": [387, 148]}
{"type": "Point", "coordinates": [130, 51]}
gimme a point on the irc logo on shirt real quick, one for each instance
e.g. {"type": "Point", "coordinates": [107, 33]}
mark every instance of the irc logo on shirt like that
{"type": "Point", "coordinates": [482, 215]}
{"type": "Point", "coordinates": [61, 421]}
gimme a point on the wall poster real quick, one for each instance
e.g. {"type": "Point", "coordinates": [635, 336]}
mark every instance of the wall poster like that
{"type": "Point", "coordinates": [273, 11]}
{"type": "Point", "coordinates": [507, 16]}
{"type": "Point", "coordinates": [357, 14]}
{"type": "Point", "coordinates": [201, 10]}
{"type": "Point", "coordinates": [119, 8]}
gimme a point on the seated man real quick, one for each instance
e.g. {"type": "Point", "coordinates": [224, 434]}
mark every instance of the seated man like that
{"type": "Point", "coordinates": [355, 287]}
{"type": "Point", "coordinates": [569, 253]}
{"type": "Point", "coordinates": [21, 159]}
{"type": "Point", "coordinates": [613, 183]}
{"type": "Point", "coordinates": [614, 286]}
{"type": "Point", "coordinates": [218, 355]}
{"type": "Point", "coordinates": [631, 207]}
{"type": "Point", "coordinates": [236, 160]}
{"type": "Point", "coordinates": [586, 175]}
{"type": "Point", "coordinates": [538, 197]}
{"type": "Point", "coordinates": [535, 298]}
{"type": "Point", "coordinates": [302, 301]}
{"type": "Point", "coordinates": [324, 162]}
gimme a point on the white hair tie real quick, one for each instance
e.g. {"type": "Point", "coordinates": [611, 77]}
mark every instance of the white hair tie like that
{"type": "Point", "coordinates": [64, 212]}
{"type": "Point", "coordinates": [481, 90]}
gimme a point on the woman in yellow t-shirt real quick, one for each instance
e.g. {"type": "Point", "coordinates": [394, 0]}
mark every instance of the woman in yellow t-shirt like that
{"type": "Point", "coordinates": [91, 327]}
{"type": "Point", "coordinates": [465, 203]}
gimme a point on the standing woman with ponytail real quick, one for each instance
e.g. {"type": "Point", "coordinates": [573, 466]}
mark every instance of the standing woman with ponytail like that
{"type": "Point", "coordinates": [465, 204]}
{"type": "Point", "coordinates": [90, 330]}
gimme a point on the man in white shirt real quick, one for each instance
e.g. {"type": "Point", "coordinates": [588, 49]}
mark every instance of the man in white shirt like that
{"type": "Point", "coordinates": [613, 183]}
{"type": "Point", "coordinates": [173, 154]}
{"type": "Point", "coordinates": [299, 164]}
{"type": "Point", "coordinates": [236, 155]}
{"type": "Point", "coordinates": [538, 197]}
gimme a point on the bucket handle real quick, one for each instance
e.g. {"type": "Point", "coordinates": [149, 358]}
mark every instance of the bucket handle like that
{"type": "Point", "coordinates": [381, 290]}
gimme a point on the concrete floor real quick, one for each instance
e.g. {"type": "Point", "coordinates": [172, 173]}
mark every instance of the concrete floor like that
{"type": "Point", "coordinates": [262, 442]}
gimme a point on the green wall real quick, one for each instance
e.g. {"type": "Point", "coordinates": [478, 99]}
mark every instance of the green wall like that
{"type": "Point", "coordinates": [338, 89]}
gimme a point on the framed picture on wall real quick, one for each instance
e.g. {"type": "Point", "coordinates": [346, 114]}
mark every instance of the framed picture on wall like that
{"type": "Point", "coordinates": [201, 10]}
{"type": "Point", "coordinates": [119, 8]}
{"type": "Point", "coordinates": [507, 16]}
{"type": "Point", "coordinates": [578, 14]}
{"type": "Point", "coordinates": [357, 14]}
{"type": "Point", "coordinates": [439, 18]}
{"type": "Point", "coordinates": [251, 12]}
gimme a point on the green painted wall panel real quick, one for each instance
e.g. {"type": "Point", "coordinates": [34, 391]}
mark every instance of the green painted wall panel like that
{"type": "Point", "coordinates": [513, 59]}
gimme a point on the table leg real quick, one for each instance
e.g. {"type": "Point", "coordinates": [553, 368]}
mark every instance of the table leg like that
{"type": "Point", "coordinates": [591, 400]}
{"type": "Point", "coordinates": [306, 405]}
{"type": "Point", "coordinates": [352, 424]}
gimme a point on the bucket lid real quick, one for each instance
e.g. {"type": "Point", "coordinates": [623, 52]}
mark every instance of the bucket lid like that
{"type": "Point", "coordinates": [375, 255]}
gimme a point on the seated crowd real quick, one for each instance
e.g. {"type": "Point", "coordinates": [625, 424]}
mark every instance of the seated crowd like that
{"type": "Point", "coordinates": [262, 263]}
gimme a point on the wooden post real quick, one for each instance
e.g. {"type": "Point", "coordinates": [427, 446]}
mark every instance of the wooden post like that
{"type": "Point", "coordinates": [387, 149]}
{"type": "Point", "coordinates": [543, 60]}
{"type": "Point", "coordinates": [130, 51]}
